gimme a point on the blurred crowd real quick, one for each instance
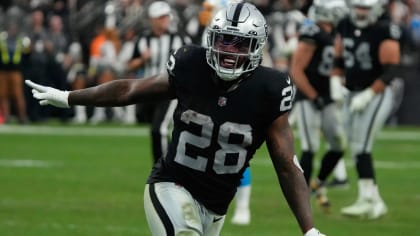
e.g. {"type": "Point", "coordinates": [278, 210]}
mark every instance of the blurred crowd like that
{"type": "Point", "coordinates": [72, 44]}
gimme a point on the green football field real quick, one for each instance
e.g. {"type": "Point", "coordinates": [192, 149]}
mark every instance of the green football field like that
{"type": "Point", "coordinates": [84, 180]}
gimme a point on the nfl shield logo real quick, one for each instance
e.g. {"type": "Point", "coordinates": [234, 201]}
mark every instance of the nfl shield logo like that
{"type": "Point", "coordinates": [222, 101]}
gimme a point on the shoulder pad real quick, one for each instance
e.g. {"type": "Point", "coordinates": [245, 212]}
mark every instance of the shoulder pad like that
{"type": "Point", "coordinates": [389, 30]}
{"type": "Point", "coordinates": [309, 29]}
{"type": "Point", "coordinates": [183, 58]}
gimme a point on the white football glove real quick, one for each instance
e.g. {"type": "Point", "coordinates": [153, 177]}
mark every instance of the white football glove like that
{"type": "Point", "coordinates": [313, 232]}
{"type": "Point", "coordinates": [48, 95]}
{"type": "Point", "coordinates": [361, 100]}
{"type": "Point", "coordinates": [337, 90]}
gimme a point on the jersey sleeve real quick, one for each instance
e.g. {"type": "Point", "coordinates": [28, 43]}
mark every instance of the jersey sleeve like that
{"type": "Point", "coordinates": [281, 94]}
{"type": "Point", "coordinates": [310, 33]}
{"type": "Point", "coordinates": [341, 26]}
{"type": "Point", "coordinates": [179, 63]}
{"type": "Point", "coordinates": [389, 30]}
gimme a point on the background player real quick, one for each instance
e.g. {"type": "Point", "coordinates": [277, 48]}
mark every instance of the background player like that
{"type": "Point", "coordinates": [218, 125]}
{"type": "Point", "coordinates": [312, 62]}
{"type": "Point", "coordinates": [368, 55]}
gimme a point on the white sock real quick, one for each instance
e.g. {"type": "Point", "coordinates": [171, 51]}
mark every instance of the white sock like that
{"type": "Point", "coordinates": [366, 189]}
{"type": "Point", "coordinates": [80, 112]}
{"type": "Point", "coordinates": [118, 113]}
{"type": "Point", "coordinates": [340, 172]}
{"type": "Point", "coordinates": [130, 113]}
{"type": "Point", "coordinates": [376, 195]}
{"type": "Point", "coordinates": [99, 113]}
{"type": "Point", "coordinates": [243, 196]}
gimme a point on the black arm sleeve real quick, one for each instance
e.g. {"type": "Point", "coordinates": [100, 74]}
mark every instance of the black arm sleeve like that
{"type": "Point", "coordinates": [390, 72]}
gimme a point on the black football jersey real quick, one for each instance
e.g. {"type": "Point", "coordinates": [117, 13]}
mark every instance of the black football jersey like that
{"type": "Point", "coordinates": [361, 51]}
{"type": "Point", "coordinates": [216, 132]}
{"type": "Point", "coordinates": [319, 68]}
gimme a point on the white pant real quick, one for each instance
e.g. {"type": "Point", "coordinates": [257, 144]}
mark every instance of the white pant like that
{"type": "Point", "coordinates": [171, 210]}
{"type": "Point", "coordinates": [311, 122]}
{"type": "Point", "coordinates": [363, 126]}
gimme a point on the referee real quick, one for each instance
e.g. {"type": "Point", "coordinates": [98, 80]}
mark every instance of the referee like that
{"type": "Point", "coordinates": [151, 52]}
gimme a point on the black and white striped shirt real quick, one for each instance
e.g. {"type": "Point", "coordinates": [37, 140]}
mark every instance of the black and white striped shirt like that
{"type": "Point", "coordinates": [160, 47]}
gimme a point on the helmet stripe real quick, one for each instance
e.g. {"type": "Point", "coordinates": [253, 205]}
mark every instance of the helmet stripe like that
{"type": "Point", "coordinates": [238, 10]}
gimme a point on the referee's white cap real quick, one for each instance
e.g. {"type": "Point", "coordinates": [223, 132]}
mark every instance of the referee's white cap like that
{"type": "Point", "coordinates": [158, 9]}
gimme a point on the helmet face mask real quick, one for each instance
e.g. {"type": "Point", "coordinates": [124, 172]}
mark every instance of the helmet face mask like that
{"type": "Point", "coordinates": [365, 13]}
{"type": "Point", "coordinates": [235, 40]}
{"type": "Point", "coordinates": [360, 16]}
{"type": "Point", "coordinates": [230, 52]}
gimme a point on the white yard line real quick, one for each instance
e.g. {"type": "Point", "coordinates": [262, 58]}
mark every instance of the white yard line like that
{"type": "Point", "coordinates": [261, 161]}
{"type": "Point", "coordinates": [399, 135]}
{"type": "Point", "coordinates": [143, 131]}
{"type": "Point", "coordinates": [74, 130]}
{"type": "Point", "coordinates": [28, 163]}
{"type": "Point", "coordinates": [8, 163]}
{"type": "Point", "coordinates": [77, 228]}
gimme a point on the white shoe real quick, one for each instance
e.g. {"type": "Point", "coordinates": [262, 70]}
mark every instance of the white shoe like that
{"type": "Point", "coordinates": [79, 120]}
{"type": "Point", "coordinates": [96, 119]}
{"type": "Point", "coordinates": [365, 209]}
{"type": "Point", "coordinates": [378, 210]}
{"type": "Point", "coordinates": [241, 217]}
{"type": "Point", "coordinates": [129, 120]}
{"type": "Point", "coordinates": [360, 209]}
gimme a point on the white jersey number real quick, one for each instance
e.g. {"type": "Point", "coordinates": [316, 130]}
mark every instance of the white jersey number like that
{"type": "Point", "coordinates": [326, 65]}
{"type": "Point", "coordinates": [360, 56]}
{"type": "Point", "coordinates": [288, 94]}
{"type": "Point", "coordinates": [203, 141]}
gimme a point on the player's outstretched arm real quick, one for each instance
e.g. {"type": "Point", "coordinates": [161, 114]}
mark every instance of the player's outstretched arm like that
{"type": "Point", "coordinates": [115, 93]}
{"type": "Point", "coordinates": [290, 175]}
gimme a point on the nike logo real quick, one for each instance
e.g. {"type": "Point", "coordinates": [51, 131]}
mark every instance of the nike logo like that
{"type": "Point", "coordinates": [217, 219]}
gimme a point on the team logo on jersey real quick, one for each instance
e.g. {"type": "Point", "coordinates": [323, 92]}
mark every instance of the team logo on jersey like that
{"type": "Point", "coordinates": [222, 101]}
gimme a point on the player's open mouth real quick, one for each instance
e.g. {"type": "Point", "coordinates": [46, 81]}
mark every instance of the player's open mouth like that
{"type": "Point", "coordinates": [228, 63]}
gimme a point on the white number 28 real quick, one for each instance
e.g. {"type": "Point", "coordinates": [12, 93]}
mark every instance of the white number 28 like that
{"type": "Point", "coordinates": [203, 140]}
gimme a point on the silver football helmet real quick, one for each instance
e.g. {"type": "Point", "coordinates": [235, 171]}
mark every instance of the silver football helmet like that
{"type": "Point", "coordinates": [235, 40]}
{"type": "Point", "coordinates": [365, 12]}
{"type": "Point", "coordinates": [331, 11]}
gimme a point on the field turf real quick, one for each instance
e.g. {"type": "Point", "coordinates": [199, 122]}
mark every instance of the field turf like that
{"type": "Point", "coordinates": [86, 180]}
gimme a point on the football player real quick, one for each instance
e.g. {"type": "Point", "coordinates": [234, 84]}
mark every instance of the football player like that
{"type": "Point", "coordinates": [311, 67]}
{"type": "Point", "coordinates": [228, 105]}
{"type": "Point", "coordinates": [242, 211]}
{"type": "Point", "coordinates": [367, 55]}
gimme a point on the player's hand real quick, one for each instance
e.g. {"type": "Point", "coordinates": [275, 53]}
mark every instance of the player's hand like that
{"type": "Point", "coordinates": [361, 100]}
{"type": "Point", "coordinates": [48, 95]}
{"type": "Point", "coordinates": [319, 103]}
{"type": "Point", "coordinates": [337, 90]}
{"type": "Point", "coordinates": [313, 232]}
